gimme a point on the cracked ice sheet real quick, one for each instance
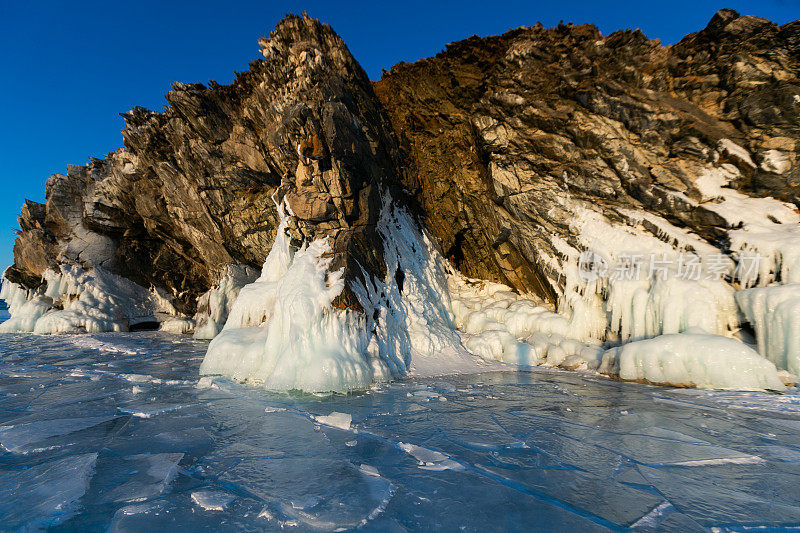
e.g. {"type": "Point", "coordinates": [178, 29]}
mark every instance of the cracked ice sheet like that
{"type": "Point", "coordinates": [21, 438]}
{"type": "Point", "coordinates": [44, 495]}
{"type": "Point", "coordinates": [546, 449]}
{"type": "Point", "coordinates": [334, 493]}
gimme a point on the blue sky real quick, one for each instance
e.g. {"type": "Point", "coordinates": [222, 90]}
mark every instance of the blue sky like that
{"type": "Point", "coordinates": [68, 68]}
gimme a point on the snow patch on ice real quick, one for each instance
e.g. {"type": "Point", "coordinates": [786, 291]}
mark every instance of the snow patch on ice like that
{"type": "Point", "coordinates": [654, 517]}
{"type": "Point", "coordinates": [430, 459]}
{"type": "Point", "coordinates": [337, 420]}
{"type": "Point", "coordinates": [91, 343]}
{"type": "Point", "coordinates": [149, 410]}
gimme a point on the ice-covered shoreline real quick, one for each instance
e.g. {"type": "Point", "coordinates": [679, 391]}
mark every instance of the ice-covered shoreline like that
{"type": "Point", "coordinates": [621, 192]}
{"type": "Point", "coordinates": [649, 323]}
{"type": "Point", "coordinates": [672, 329]}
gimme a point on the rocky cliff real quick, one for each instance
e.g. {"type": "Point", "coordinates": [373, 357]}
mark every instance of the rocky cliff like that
{"type": "Point", "coordinates": [498, 131]}
{"type": "Point", "coordinates": [506, 159]}
{"type": "Point", "coordinates": [192, 189]}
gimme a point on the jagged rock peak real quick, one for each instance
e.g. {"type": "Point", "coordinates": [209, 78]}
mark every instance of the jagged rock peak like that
{"type": "Point", "coordinates": [305, 39]}
{"type": "Point", "coordinates": [192, 189]}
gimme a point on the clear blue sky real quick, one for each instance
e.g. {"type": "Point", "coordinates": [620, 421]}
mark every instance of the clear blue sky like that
{"type": "Point", "coordinates": [67, 68]}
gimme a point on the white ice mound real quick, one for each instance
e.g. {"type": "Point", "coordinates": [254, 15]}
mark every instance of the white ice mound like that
{"type": "Point", "coordinates": [283, 333]}
{"type": "Point", "coordinates": [693, 360]}
{"type": "Point", "coordinates": [774, 313]}
{"type": "Point", "coordinates": [214, 306]}
{"type": "Point", "coordinates": [78, 301]}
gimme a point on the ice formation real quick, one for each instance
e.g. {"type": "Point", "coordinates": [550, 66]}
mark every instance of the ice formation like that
{"type": "Point", "coordinates": [214, 306]}
{"type": "Point", "coordinates": [692, 359]}
{"type": "Point", "coordinates": [24, 306]}
{"type": "Point", "coordinates": [75, 300]}
{"type": "Point", "coordinates": [774, 313]}
{"type": "Point", "coordinates": [178, 325]}
{"type": "Point", "coordinates": [774, 249]}
{"type": "Point", "coordinates": [644, 285]}
{"type": "Point", "coordinates": [279, 329]}
{"type": "Point", "coordinates": [282, 331]}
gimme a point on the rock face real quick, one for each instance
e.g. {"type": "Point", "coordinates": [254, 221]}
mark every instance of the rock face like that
{"type": "Point", "coordinates": [498, 131]}
{"type": "Point", "coordinates": [483, 142]}
{"type": "Point", "coordinates": [192, 189]}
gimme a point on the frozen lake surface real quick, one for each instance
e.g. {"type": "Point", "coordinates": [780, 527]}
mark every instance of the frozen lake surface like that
{"type": "Point", "coordinates": [118, 432]}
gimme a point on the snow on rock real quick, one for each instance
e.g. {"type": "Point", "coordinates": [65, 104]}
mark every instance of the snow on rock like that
{"type": "Point", "coordinates": [774, 313]}
{"type": "Point", "coordinates": [694, 360]}
{"type": "Point", "coordinates": [737, 208]}
{"type": "Point", "coordinates": [775, 161]}
{"type": "Point", "coordinates": [79, 301]}
{"type": "Point", "coordinates": [214, 306]}
{"type": "Point", "coordinates": [734, 152]}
